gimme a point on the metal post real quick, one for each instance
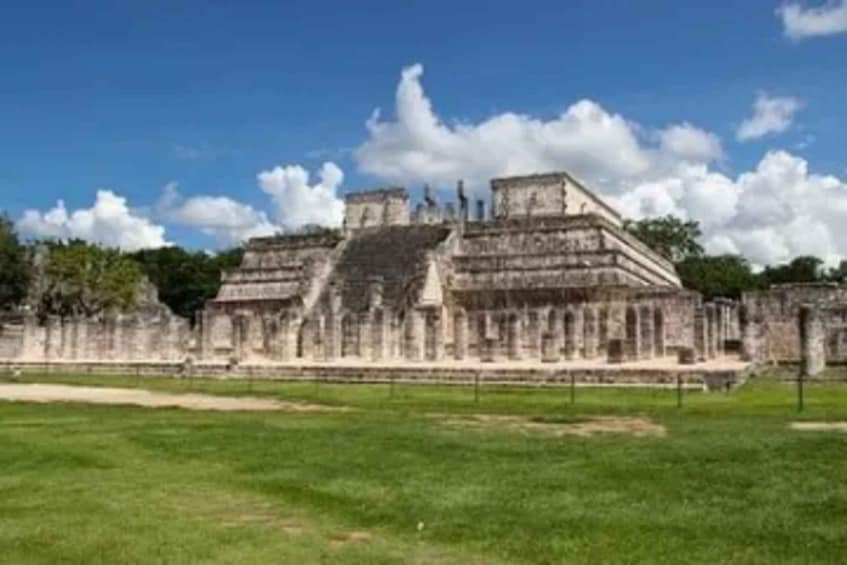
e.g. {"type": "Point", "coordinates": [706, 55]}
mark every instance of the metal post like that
{"type": "Point", "coordinates": [800, 392]}
{"type": "Point", "coordinates": [573, 388]}
{"type": "Point", "coordinates": [678, 391]}
{"type": "Point", "coordinates": [391, 386]}
{"type": "Point", "coordinates": [476, 387]}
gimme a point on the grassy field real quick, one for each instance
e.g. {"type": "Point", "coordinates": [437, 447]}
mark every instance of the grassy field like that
{"type": "Point", "coordinates": [388, 481]}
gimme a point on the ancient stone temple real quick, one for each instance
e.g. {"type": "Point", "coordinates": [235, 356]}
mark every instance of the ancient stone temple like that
{"type": "Point", "coordinates": [546, 274]}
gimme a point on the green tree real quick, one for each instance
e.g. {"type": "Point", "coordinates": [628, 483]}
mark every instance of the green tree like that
{"type": "Point", "coordinates": [669, 236]}
{"type": "Point", "coordinates": [186, 280]}
{"type": "Point", "coordinates": [14, 266]}
{"type": "Point", "coordinates": [720, 275]}
{"type": "Point", "coordinates": [837, 274]}
{"type": "Point", "coordinates": [80, 278]}
{"type": "Point", "coordinates": [803, 269]}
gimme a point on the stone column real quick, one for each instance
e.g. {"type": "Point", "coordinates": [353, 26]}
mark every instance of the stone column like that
{"type": "Point", "coordinates": [514, 337]}
{"type": "Point", "coordinates": [711, 332]}
{"type": "Point", "coordinates": [53, 342]}
{"type": "Point", "coordinates": [589, 333]}
{"type": "Point", "coordinates": [317, 338]}
{"type": "Point", "coordinates": [550, 348]}
{"type": "Point", "coordinates": [207, 350]}
{"type": "Point", "coordinates": [558, 332]}
{"type": "Point", "coordinates": [602, 331]}
{"type": "Point", "coordinates": [412, 331]}
{"type": "Point", "coordinates": [283, 338]}
{"type": "Point", "coordinates": [333, 336]}
{"type": "Point", "coordinates": [80, 337]}
{"type": "Point", "coordinates": [701, 334]}
{"type": "Point", "coordinates": [569, 330]}
{"type": "Point", "coordinates": [66, 341]}
{"type": "Point", "coordinates": [812, 341]}
{"type": "Point", "coordinates": [32, 347]}
{"type": "Point", "coordinates": [294, 324]}
{"type": "Point", "coordinates": [632, 333]}
{"type": "Point", "coordinates": [130, 339]}
{"type": "Point", "coordinates": [460, 334]}
{"type": "Point", "coordinates": [659, 332]}
{"type": "Point", "coordinates": [439, 333]}
{"type": "Point", "coordinates": [162, 343]}
{"type": "Point", "coordinates": [645, 318]}
{"type": "Point", "coordinates": [241, 336]}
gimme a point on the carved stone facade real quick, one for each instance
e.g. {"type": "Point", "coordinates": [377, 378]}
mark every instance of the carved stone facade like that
{"type": "Point", "coordinates": [789, 323]}
{"type": "Point", "coordinates": [550, 277]}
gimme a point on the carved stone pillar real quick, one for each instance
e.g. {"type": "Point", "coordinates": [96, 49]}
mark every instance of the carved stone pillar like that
{"type": "Point", "coordinates": [460, 334]}
{"type": "Point", "coordinates": [569, 330]}
{"type": "Point", "coordinates": [514, 337]}
{"type": "Point", "coordinates": [812, 341]}
{"type": "Point", "coordinates": [632, 334]}
{"type": "Point", "coordinates": [701, 333]}
{"type": "Point", "coordinates": [646, 323]}
{"type": "Point", "coordinates": [711, 332]}
{"type": "Point", "coordinates": [659, 333]}
{"type": "Point", "coordinates": [589, 331]}
{"type": "Point", "coordinates": [53, 341]}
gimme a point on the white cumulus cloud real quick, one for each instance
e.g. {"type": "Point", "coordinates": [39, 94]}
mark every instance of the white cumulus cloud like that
{"type": "Point", "coordinates": [800, 22]}
{"type": "Point", "coordinates": [230, 222]}
{"type": "Point", "coordinates": [419, 147]}
{"type": "Point", "coordinates": [109, 221]}
{"type": "Point", "coordinates": [297, 203]}
{"type": "Point", "coordinates": [691, 143]}
{"type": "Point", "coordinates": [771, 114]}
{"type": "Point", "coordinates": [770, 214]}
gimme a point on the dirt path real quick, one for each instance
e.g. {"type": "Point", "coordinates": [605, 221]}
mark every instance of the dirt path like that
{"type": "Point", "coordinates": [138, 397]}
{"type": "Point", "coordinates": [584, 427]}
{"type": "Point", "coordinates": [819, 426]}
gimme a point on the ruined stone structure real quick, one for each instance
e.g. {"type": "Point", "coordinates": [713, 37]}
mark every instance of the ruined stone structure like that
{"type": "Point", "coordinates": [551, 275]}
{"type": "Point", "coordinates": [545, 277]}
{"type": "Point", "coordinates": [152, 331]}
{"type": "Point", "coordinates": [796, 322]}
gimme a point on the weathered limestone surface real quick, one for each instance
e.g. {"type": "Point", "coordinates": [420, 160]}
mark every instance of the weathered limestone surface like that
{"type": "Point", "coordinates": [551, 276]}
{"type": "Point", "coordinates": [771, 331]}
{"type": "Point", "coordinates": [812, 338]}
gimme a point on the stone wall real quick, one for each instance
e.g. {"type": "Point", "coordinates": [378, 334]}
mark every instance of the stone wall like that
{"type": "Point", "coordinates": [374, 208]}
{"type": "Point", "coordinates": [133, 337]}
{"type": "Point", "coordinates": [11, 338]}
{"type": "Point", "coordinates": [772, 328]}
{"type": "Point", "coordinates": [554, 194]}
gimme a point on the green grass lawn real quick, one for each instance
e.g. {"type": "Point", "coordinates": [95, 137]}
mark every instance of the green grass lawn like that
{"type": "Point", "coordinates": [388, 482]}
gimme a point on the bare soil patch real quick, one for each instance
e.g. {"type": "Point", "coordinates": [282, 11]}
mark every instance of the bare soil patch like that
{"type": "Point", "coordinates": [137, 397]}
{"type": "Point", "coordinates": [558, 427]}
{"type": "Point", "coordinates": [339, 539]}
{"type": "Point", "coordinates": [819, 426]}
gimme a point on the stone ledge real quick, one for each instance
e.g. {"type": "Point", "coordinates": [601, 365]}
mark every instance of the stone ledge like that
{"type": "Point", "coordinates": [624, 377]}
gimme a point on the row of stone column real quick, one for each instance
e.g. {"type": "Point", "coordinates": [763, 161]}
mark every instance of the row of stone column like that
{"type": "Point", "coordinates": [554, 334]}
{"type": "Point", "coordinates": [420, 334]}
{"type": "Point", "coordinates": [713, 326]}
{"type": "Point", "coordinates": [374, 335]}
{"type": "Point", "coordinates": [122, 338]}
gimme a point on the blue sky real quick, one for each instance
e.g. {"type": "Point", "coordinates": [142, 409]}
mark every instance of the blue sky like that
{"type": "Point", "coordinates": [132, 96]}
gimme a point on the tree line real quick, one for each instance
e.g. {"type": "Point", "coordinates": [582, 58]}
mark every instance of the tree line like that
{"type": "Point", "coordinates": [75, 277]}
{"type": "Point", "coordinates": [78, 278]}
{"type": "Point", "coordinates": [723, 275]}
